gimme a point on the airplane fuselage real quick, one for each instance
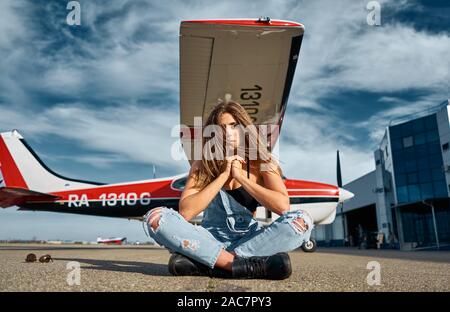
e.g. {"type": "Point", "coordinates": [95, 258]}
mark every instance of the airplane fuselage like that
{"type": "Point", "coordinates": [133, 200]}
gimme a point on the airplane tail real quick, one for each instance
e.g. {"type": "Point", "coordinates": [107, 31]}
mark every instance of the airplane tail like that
{"type": "Point", "coordinates": [13, 196]}
{"type": "Point", "coordinates": [22, 168]}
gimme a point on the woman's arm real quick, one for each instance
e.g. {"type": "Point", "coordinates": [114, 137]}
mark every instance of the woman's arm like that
{"type": "Point", "coordinates": [193, 201]}
{"type": "Point", "coordinates": [273, 195]}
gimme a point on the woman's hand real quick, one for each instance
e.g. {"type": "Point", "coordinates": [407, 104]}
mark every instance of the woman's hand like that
{"type": "Point", "coordinates": [236, 168]}
{"type": "Point", "coordinates": [233, 166]}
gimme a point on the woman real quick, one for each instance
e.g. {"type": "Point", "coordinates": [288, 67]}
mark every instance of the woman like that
{"type": "Point", "coordinates": [230, 242]}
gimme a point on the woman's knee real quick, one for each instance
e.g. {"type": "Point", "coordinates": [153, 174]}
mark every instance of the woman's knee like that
{"type": "Point", "coordinates": [299, 222]}
{"type": "Point", "coordinates": [300, 225]}
{"type": "Point", "coordinates": [154, 216]}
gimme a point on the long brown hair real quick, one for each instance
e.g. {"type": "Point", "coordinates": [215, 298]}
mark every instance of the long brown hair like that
{"type": "Point", "coordinates": [255, 145]}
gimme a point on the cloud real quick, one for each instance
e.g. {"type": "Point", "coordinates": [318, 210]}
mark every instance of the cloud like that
{"type": "Point", "coordinates": [101, 161]}
{"type": "Point", "coordinates": [341, 52]}
{"type": "Point", "coordinates": [12, 29]}
{"type": "Point", "coordinates": [307, 149]}
{"type": "Point", "coordinates": [129, 49]}
{"type": "Point", "coordinates": [141, 134]}
{"type": "Point", "coordinates": [402, 109]}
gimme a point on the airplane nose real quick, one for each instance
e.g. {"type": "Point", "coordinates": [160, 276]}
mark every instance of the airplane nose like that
{"type": "Point", "coordinates": [345, 195]}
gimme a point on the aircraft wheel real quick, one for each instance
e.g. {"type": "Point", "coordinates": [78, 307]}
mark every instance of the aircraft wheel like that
{"type": "Point", "coordinates": [309, 246]}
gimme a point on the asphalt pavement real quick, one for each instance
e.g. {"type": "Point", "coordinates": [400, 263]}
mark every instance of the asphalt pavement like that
{"type": "Point", "coordinates": [144, 268]}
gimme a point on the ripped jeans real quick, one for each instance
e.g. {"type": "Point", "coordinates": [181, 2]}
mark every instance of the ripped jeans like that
{"type": "Point", "coordinates": [228, 225]}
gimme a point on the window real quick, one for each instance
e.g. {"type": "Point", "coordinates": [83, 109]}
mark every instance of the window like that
{"type": "Point", "coordinates": [434, 148]}
{"type": "Point", "coordinates": [445, 146]}
{"type": "Point", "coordinates": [401, 180]}
{"type": "Point", "coordinates": [397, 144]}
{"type": "Point", "coordinates": [399, 167]}
{"type": "Point", "coordinates": [402, 194]}
{"type": "Point", "coordinates": [180, 183]}
{"type": "Point", "coordinates": [420, 139]}
{"type": "Point", "coordinates": [409, 153]}
{"type": "Point", "coordinates": [436, 161]}
{"type": "Point", "coordinates": [421, 151]}
{"type": "Point", "coordinates": [437, 174]}
{"type": "Point", "coordinates": [424, 176]}
{"type": "Point", "coordinates": [427, 190]}
{"type": "Point", "coordinates": [408, 141]}
{"type": "Point", "coordinates": [418, 125]}
{"type": "Point", "coordinates": [410, 166]}
{"type": "Point", "coordinates": [423, 163]}
{"type": "Point", "coordinates": [430, 122]}
{"type": "Point", "coordinates": [439, 189]}
{"type": "Point", "coordinates": [406, 128]}
{"type": "Point", "coordinates": [432, 136]}
{"type": "Point", "coordinates": [412, 178]}
{"type": "Point", "coordinates": [414, 192]}
{"type": "Point", "coordinates": [395, 132]}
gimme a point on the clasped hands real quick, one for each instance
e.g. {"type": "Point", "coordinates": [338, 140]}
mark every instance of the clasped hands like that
{"type": "Point", "coordinates": [233, 166]}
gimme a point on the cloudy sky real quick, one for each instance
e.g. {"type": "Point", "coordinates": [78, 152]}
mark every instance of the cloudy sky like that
{"type": "Point", "coordinates": [98, 101]}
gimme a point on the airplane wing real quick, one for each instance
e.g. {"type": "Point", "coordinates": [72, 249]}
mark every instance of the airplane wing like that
{"type": "Point", "coordinates": [253, 60]}
{"type": "Point", "coordinates": [12, 196]}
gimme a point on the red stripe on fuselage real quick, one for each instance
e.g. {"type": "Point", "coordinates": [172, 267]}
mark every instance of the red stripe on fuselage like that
{"type": "Point", "coordinates": [163, 189]}
{"type": "Point", "coordinates": [10, 172]}
{"type": "Point", "coordinates": [308, 185]}
{"type": "Point", "coordinates": [324, 193]}
{"type": "Point", "coordinates": [159, 189]}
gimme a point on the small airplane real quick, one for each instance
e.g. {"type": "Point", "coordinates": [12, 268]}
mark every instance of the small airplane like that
{"type": "Point", "coordinates": [111, 241]}
{"type": "Point", "coordinates": [31, 185]}
{"type": "Point", "coordinates": [253, 60]}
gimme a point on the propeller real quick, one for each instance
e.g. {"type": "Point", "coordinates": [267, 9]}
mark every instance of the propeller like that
{"type": "Point", "coordinates": [338, 170]}
{"type": "Point", "coordinates": [339, 183]}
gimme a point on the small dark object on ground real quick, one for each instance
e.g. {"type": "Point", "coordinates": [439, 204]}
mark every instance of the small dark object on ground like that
{"type": "Point", "coordinates": [45, 258]}
{"type": "Point", "coordinates": [31, 258]}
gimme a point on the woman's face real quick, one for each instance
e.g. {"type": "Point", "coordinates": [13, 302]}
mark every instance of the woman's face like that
{"type": "Point", "coordinates": [227, 121]}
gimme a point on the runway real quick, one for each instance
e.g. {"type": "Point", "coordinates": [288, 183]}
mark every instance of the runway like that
{"type": "Point", "coordinates": [143, 268]}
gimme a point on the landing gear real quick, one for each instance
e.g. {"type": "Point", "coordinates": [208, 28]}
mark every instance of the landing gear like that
{"type": "Point", "coordinates": [309, 246]}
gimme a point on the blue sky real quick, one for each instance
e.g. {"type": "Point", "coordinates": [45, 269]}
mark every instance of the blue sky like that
{"type": "Point", "coordinates": [98, 101]}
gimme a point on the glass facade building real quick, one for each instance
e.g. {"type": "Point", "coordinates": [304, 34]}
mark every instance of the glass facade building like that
{"type": "Point", "coordinates": [407, 197]}
{"type": "Point", "coordinates": [417, 159]}
{"type": "Point", "coordinates": [414, 163]}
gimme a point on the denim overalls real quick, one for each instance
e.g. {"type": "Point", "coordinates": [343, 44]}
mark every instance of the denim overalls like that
{"type": "Point", "coordinates": [228, 225]}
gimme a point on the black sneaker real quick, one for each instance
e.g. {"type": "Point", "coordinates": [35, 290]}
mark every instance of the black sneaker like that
{"type": "Point", "coordinates": [275, 267]}
{"type": "Point", "coordinates": [180, 265]}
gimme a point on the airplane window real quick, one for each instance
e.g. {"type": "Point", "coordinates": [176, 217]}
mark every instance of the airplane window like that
{"type": "Point", "coordinates": [180, 183]}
